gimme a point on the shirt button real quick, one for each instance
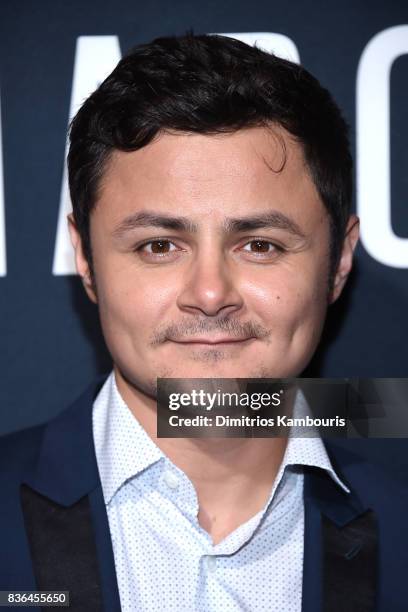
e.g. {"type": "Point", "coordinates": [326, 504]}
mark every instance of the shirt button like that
{"type": "Point", "coordinates": [171, 480]}
{"type": "Point", "coordinates": [211, 563]}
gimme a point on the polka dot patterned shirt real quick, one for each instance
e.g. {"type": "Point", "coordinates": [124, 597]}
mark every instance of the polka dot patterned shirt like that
{"type": "Point", "coordinates": [165, 561]}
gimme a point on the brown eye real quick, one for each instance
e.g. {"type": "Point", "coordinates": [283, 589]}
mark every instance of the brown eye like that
{"type": "Point", "coordinates": [158, 247]}
{"type": "Point", "coordinates": [259, 246]}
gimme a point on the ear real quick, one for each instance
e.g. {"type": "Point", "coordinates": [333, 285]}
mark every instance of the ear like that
{"type": "Point", "coordinates": [346, 258]}
{"type": "Point", "coordinates": [81, 262]}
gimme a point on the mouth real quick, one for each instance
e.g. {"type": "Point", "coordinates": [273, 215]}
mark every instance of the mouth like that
{"type": "Point", "coordinates": [217, 342]}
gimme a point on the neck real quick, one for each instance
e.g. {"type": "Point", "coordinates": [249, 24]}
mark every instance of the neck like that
{"type": "Point", "coordinates": [232, 477]}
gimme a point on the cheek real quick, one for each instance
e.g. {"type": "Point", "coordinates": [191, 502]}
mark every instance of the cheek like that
{"type": "Point", "coordinates": [131, 303]}
{"type": "Point", "coordinates": [287, 300]}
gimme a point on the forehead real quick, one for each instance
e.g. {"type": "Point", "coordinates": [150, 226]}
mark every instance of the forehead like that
{"type": "Point", "coordinates": [211, 175]}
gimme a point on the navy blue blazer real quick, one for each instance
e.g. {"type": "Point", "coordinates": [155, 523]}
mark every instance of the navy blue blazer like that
{"type": "Point", "coordinates": [54, 532]}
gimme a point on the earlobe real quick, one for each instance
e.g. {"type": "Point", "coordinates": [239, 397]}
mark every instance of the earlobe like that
{"type": "Point", "coordinates": [89, 286]}
{"type": "Point", "coordinates": [81, 262]}
{"type": "Point", "coordinates": [346, 259]}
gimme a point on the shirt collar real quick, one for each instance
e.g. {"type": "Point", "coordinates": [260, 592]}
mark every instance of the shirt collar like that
{"type": "Point", "coordinates": [124, 449]}
{"type": "Point", "coordinates": [308, 449]}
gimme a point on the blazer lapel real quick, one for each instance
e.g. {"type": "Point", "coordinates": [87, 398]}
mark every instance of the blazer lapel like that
{"type": "Point", "coordinates": [350, 564]}
{"type": "Point", "coordinates": [340, 560]}
{"type": "Point", "coordinates": [65, 516]}
{"type": "Point", "coordinates": [63, 548]}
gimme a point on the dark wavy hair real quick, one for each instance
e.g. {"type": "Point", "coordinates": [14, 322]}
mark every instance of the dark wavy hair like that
{"type": "Point", "coordinates": [209, 84]}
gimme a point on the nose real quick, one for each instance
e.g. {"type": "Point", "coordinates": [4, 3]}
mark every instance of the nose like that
{"type": "Point", "coordinates": [210, 287]}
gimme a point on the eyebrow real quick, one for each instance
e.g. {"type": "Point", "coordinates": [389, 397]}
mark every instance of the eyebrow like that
{"type": "Point", "coordinates": [271, 219]}
{"type": "Point", "coordinates": [149, 219]}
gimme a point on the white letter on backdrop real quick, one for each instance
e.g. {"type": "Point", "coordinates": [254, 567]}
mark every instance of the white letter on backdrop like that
{"type": "Point", "coordinates": [95, 58]}
{"type": "Point", "coordinates": [373, 147]}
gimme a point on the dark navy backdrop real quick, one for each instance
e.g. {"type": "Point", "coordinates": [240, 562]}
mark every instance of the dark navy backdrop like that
{"type": "Point", "coordinates": [51, 342]}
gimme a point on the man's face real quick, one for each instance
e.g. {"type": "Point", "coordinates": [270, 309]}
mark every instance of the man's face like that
{"type": "Point", "coordinates": [211, 258]}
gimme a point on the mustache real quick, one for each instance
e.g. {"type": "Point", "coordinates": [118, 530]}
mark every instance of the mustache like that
{"type": "Point", "coordinates": [186, 329]}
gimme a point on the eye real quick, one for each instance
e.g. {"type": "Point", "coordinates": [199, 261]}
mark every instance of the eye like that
{"type": "Point", "coordinates": [261, 247]}
{"type": "Point", "coordinates": [157, 247]}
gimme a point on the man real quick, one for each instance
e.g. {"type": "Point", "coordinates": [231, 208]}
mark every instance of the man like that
{"type": "Point", "coordinates": [211, 188]}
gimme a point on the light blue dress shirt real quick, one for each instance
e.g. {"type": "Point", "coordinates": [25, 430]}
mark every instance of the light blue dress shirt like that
{"type": "Point", "coordinates": [165, 561]}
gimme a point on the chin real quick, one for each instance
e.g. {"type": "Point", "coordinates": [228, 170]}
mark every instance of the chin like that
{"type": "Point", "coordinates": [219, 370]}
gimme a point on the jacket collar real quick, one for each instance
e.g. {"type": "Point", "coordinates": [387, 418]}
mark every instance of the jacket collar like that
{"type": "Point", "coordinates": [66, 467]}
